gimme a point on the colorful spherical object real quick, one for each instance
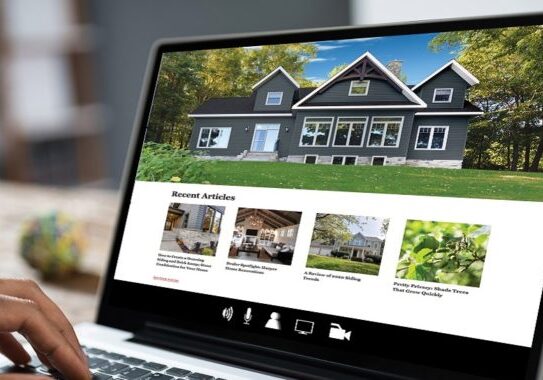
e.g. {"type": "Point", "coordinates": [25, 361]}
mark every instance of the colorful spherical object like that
{"type": "Point", "coordinates": [53, 244]}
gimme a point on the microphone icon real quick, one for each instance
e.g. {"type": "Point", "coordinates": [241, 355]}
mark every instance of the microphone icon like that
{"type": "Point", "coordinates": [247, 316]}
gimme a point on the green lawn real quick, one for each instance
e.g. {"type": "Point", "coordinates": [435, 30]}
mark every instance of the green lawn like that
{"type": "Point", "coordinates": [381, 179]}
{"type": "Point", "coordinates": [341, 265]}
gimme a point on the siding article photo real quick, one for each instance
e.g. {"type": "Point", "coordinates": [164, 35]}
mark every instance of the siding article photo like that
{"type": "Point", "coordinates": [347, 243]}
{"type": "Point", "coordinates": [191, 228]}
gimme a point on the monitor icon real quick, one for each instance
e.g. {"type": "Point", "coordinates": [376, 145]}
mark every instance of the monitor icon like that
{"type": "Point", "coordinates": [304, 327]}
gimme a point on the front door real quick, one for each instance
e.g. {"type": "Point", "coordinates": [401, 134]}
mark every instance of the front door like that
{"type": "Point", "coordinates": [265, 137]}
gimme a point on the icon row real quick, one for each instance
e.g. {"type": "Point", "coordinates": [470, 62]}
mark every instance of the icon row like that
{"type": "Point", "coordinates": [302, 327]}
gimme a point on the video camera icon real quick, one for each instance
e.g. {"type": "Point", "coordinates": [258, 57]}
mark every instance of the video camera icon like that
{"type": "Point", "coordinates": [336, 332]}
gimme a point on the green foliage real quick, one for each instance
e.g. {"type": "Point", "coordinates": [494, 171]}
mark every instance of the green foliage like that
{"type": "Point", "coordinates": [330, 228]}
{"type": "Point", "coordinates": [339, 254]}
{"type": "Point", "coordinates": [207, 251]}
{"type": "Point", "coordinates": [341, 265]}
{"type": "Point", "coordinates": [187, 79]}
{"type": "Point", "coordinates": [164, 163]}
{"type": "Point", "coordinates": [507, 62]}
{"type": "Point", "coordinates": [448, 253]}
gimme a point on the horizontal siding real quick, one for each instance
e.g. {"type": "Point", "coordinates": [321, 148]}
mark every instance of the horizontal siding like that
{"type": "Point", "coordinates": [446, 79]}
{"type": "Point", "coordinates": [379, 90]}
{"type": "Point", "coordinates": [295, 149]}
{"type": "Point", "coordinates": [241, 140]}
{"type": "Point", "coordinates": [456, 140]}
{"type": "Point", "coordinates": [277, 83]}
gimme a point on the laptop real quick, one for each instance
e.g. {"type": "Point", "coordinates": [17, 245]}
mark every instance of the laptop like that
{"type": "Point", "coordinates": [344, 203]}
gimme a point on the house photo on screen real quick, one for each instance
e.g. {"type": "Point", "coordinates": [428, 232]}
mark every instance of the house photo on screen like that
{"type": "Point", "coordinates": [393, 114]}
{"type": "Point", "coordinates": [443, 252]}
{"type": "Point", "coordinates": [347, 243]}
{"type": "Point", "coordinates": [265, 235]}
{"type": "Point", "coordinates": [192, 228]}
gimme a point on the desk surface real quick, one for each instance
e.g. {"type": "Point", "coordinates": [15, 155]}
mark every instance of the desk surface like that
{"type": "Point", "coordinates": [96, 209]}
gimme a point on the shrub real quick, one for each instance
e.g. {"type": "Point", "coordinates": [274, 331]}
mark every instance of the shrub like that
{"type": "Point", "coordinates": [208, 251]}
{"type": "Point", "coordinates": [165, 163]}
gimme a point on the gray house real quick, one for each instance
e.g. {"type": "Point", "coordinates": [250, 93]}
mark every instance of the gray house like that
{"type": "Point", "coordinates": [362, 115]}
{"type": "Point", "coordinates": [359, 246]}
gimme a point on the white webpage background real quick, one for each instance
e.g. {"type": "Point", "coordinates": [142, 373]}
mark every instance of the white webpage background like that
{"type": "Point", "coordinates": [503, 309]}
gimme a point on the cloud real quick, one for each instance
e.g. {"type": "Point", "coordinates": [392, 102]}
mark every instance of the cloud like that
{"type": "Point", "coordinates": [323, 47]}
{"type": "Point", "coordinates": [362, 39]}
{"type": "Point", "coordinates": [318, 59]}
{"type": "Point", "coordinates": [317, 80]}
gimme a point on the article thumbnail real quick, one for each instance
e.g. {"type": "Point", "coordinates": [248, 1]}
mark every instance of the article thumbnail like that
{"type": "Point", "coordinates": [191, 228]}
{"type": "Point", "coordinates": [448, 253]}
{"type": "Point", "coordinates": [347, 243]}
{"type": "Point", "coordinates": [265, 235]}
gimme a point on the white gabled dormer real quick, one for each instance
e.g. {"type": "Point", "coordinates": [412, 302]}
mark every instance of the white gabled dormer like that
{"type": "Point", "coordinates": [275, 91]}
{"type": "Point", "coordinates": [446, 87]}
{"type": "Point", "coordinates": [365, 83]}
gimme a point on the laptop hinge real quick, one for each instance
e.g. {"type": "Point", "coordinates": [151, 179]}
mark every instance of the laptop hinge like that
{"type": "Point", "coordinates": [251, 356]}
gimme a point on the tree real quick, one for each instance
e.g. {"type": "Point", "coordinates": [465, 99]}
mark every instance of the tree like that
{"type": "Point", "coordinates": [187, 79]}
{"type": "Point", "coordinates": [396, 67]}
{"type": "Point", "coordinates": [507, 63]}
{"type": "Point", "coordinates": [336, 69]}
{"type": "Point", "coordinates": [330, 228]}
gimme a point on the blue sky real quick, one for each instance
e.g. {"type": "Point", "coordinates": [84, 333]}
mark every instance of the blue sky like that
{"type": "Point", "coordinates": [370, 226]}
{"type": "Point", "coordinates": [418, 60]}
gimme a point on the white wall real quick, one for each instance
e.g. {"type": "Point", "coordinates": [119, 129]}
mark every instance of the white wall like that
{"type": "Point", "coordinates": [365, 12]}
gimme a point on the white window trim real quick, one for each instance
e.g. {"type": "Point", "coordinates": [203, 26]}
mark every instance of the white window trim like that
{"type": "Point", "coordinates": [432, 127]}
{"type": "Point", "coordinates": [383, 157]}
{"type": "Point", "coordinates": [312, 155]}
{"type": "Point", "coordinates": [254, 135]}
{"type": "Point", "coordinates": [356, 80]}
{"type": "Point", "coordinates": [212, 147]}
{"type": "Point", "coordinates": [274, 92]}
{"type": "Point", "coordinates": [331, 118]}
{"type": "Point", "coordinates": [344, 156]}
{"type": "Point", "coordinates": [443, 101]}
{"type": "Point", "coordinates": [402, 118]}
{"type": "Point", "coordinates": [366, 119]}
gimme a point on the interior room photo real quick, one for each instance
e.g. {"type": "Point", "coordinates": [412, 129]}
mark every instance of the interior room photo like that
{"type": "Point", "coordinates": [265, 235]}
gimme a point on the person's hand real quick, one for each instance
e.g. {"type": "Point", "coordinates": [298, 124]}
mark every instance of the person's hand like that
{"type": "Point", "coordinates": [24, 308]}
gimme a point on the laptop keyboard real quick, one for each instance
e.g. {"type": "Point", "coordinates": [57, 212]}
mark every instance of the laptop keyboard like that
{"type": "Point", "coordinates": [106, 365]}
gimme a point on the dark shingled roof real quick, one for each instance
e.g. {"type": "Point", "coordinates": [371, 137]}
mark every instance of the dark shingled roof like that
{"type": "Point", "coordinates": [468, 107]}
{"type": "Point", "coordinates": [374, 103]}
{"type": "Point", "coordinates": [245, 104]}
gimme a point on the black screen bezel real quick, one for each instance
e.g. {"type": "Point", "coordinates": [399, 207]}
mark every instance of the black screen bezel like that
{"type": "Point", "coordinates": [125, 314]}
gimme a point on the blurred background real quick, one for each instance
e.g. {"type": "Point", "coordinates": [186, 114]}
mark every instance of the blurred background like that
{"type": "Point", "coordinates": [70, 78]}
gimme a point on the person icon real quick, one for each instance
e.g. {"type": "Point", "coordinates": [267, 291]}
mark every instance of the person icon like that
{"type": "Point", "coordinates": [274, 323]}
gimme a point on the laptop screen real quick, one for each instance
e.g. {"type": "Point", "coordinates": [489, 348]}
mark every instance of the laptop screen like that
{"type": "Point", "coordinates": [367, 195]}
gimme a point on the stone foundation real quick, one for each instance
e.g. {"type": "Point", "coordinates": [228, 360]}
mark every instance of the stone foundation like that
{"type": "Point", "coordinates": [446, 164]}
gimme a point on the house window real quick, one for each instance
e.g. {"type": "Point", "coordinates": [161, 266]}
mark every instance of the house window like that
{"type": "Point", "coordinates": [214, 137]}
{"type": "Point", "coordinates": [316, 131]}
{"type": "Point", "coordinates": [274, 98]}
{"type": "Point", "coordinates": [344, 160]}
{"type": "Point", "coordinates": [431, 138]}
{"type": "Point", "coordinates": [385, 132]}
{"type": "Point", "coordinates": [442, 95]}
{"type": "Point", "coordinates": [282, 233]}
{"type": "Point", "coordinates": [311, 158]}
{"type": "Point", "coordinates": [212, 220]}
{"type": "Point", "coordinates": [359, 87]}
{"type": "Point", "coordinates": [290, 232]}
{"type": "Point", "coordinates": [378, 160]}
{"type": "Point", "coordinates": [350, 131]}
